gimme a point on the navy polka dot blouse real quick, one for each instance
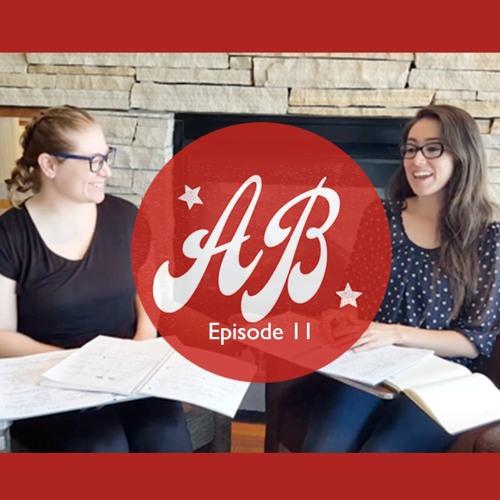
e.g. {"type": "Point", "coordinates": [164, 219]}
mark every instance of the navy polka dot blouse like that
{"type": "Point", "coordinates": [418, 294]}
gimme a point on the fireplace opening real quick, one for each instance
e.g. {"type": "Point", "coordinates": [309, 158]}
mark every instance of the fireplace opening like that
{"type": "Point", "coordinates": [371, 142]}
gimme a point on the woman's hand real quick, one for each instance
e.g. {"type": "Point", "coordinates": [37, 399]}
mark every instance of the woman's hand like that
{"type": "Point", "coordinates": [378, 335]}
{"type": "Point", "coordinates": [446, 343]}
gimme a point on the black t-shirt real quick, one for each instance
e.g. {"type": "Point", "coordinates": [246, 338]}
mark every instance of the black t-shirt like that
{"type": "Point", "coordinates": [64, 302]}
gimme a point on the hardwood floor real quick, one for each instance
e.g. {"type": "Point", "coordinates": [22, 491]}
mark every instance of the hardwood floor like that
{"type": "Point", "coordinates": [247, 437]}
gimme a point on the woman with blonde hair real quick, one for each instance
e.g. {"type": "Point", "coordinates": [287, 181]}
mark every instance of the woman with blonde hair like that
{"type": "Point", "coordinates": [66, 277]}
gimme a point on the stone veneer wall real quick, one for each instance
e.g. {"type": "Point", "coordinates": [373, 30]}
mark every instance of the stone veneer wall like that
{"type": "Point", "coordinates": [135, 95]}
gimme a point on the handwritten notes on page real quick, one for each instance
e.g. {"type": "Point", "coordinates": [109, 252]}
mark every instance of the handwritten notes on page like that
{"type": "Point", "coordinates": [21, 396]}
{"type": "Point", "coordinates": [182, 380]}
{"type": "Point", "coordinates": [375, 365]}
{"type": "Point", "coordinates": [149, 368]}
{"type": "Point", "coordinates": [111, 364]}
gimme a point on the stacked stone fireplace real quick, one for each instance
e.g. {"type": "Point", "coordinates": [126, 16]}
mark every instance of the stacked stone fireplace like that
{"type": "Point", "coordinates": [140, 98]}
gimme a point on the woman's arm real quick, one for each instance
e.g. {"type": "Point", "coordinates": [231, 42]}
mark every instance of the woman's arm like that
{"type": "Point", "coordinates": [145, 328]}
{"type": "Point", "coordinates": [13, 343]}
{"type": "Point", "coordinates": [446, 343]}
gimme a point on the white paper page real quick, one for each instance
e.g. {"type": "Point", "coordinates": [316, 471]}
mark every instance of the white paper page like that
{"type": "Point", "coordinates": [374, 365]}
{"type": "Point", "coordinates": [181, 380]}
{"type": "Point", "coordinates": [431, 369]}
{"type": "Point", "coordinates": [461, 403]}
{"type": "Point", "coordinates": [22, 397]}
{"type": "Point", "coordinates": [110, 364]}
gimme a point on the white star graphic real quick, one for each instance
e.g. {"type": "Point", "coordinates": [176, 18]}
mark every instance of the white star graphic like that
{"type": "Point", "coordinates": [348, 296]}
{"type": "Point", "coordinates": [190, 196]}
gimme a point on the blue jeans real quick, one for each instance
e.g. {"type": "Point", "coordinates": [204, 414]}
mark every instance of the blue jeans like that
{"type": "Point", "coordinates": [344, 419]}
{"type": "Point", "coordinates": [144, 425]}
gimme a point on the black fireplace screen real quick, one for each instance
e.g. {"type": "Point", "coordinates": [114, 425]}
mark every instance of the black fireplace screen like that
{"type": "Point", "coordinates": [371, 142]}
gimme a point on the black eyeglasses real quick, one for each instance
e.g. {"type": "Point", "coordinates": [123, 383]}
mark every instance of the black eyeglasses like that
{"type": "Point", "coordinates": [431, 150]}
{"type": "Point", "coordinates": [96, 162]}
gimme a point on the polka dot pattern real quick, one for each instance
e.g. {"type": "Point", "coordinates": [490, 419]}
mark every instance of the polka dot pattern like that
{"type": "Point", "coordinates": [418, 292]}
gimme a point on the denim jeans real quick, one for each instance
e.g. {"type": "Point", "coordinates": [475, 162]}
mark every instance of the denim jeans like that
{"type": "Point", "coordinates": [144, 425]}
{"type": "Point", "coordinates": [344, 419]}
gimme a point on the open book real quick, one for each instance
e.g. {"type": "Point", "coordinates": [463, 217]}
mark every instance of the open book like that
{"type": "Point", "coordinates": [148, 368]}
{"type": "Point", "coordinates": [449, 393]}
{"type": "Point", "coordinates": [374, 366]}
{"type": "Point", "coordinates": [21, 395]}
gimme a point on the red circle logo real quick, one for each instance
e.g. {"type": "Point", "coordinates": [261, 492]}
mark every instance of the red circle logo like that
{"type": "Point", "coordinates": [261, 252]}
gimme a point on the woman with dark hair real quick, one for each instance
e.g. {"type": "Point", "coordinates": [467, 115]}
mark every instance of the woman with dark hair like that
{"type": "Point", "coordinates": [66, 277]}
{"type": "Point", "coordinates": [444, 287]}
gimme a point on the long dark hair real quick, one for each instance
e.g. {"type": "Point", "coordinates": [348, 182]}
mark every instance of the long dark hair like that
{"type": "Point", "coordinates": [467, 209]}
